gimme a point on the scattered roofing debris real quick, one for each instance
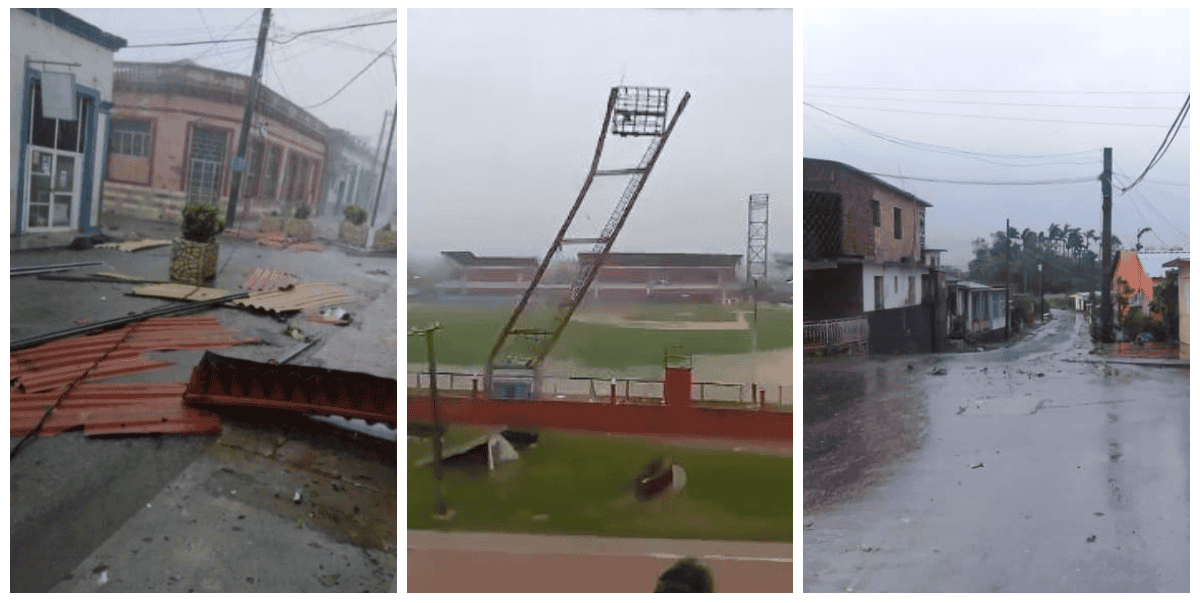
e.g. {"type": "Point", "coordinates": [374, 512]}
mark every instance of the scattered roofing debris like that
{"type": "Point", "coordinates": [31, 270]}
{"type": "Point", "coordinates": [222, 381]}
{"type": "Point", "coordinates": [312, 246]}
{"type": "Point", "coordinates": [266, 279]}
{"type": "Point", "coordinates": [96, 327]}
{"type": "Point", "coordinates": [112, 409]}
{"type": "Point", "coordinates": [49, 394]}
{"type": "Point", "coordinates": [489, 450]}
{"type": "Point", "coordinates": [301, 297]}
{"type": "Point", "coordinates": [131, 246]}
{"type": "Point", "coordinates": [54, 365]}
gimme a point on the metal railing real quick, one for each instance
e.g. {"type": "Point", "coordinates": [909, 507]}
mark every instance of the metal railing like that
{"type": "Point", "coordinates": [836, 334]}
{"type": "Point", "coordinates": [621, 390]}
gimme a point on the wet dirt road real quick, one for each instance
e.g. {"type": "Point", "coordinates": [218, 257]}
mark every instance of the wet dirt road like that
{"type": "Point", "coordinates": [1018, 469]}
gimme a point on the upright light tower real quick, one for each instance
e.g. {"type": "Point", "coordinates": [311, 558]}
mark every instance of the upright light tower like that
{"type": "Point", "coordinates": [756, 240]}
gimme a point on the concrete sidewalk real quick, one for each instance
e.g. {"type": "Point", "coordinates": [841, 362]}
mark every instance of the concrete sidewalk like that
{"type": "Point", "coordinates": [1167, 362]}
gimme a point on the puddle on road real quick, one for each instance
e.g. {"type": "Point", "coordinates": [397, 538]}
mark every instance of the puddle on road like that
{"type": "Point", "coordinates": [860, 421]}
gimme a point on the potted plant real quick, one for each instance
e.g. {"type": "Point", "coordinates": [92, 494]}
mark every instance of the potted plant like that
{"type": "Point", "coordinates": [194, 255]}
{"type": "Point", "coordinates": [299, 227]}
{"type": "Point", "coordinates": [354, 227]}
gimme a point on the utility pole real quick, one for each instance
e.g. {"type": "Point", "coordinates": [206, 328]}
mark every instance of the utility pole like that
{"type": "Point", "coordinates": [239, 161]}
{"type": "Point", "coordinates": [387, 153]}
{"type": "Point", "coordinates": [1007, 334]}
{"type": "Point", "coordinates": [1106, 250]}
{"type": "Point", "coordinates": [440, 508]}
{"type": "Point", "coordinates": [379, 142]}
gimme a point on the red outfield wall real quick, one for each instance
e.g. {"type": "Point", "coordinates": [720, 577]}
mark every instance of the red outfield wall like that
{"type": "Point", "coordinates": [612, 418]}
{"type": "Point", "coordinates": [676, 417]}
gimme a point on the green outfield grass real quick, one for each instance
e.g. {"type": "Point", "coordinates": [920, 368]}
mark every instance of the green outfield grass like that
{"type": "Point", "coordinates": [467, 337]}
{"type": "Point", "coordinates": [579, 481]}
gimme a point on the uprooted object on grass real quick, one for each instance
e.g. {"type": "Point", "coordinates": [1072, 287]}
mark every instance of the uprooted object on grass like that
{"type": "Point", "coordinates": [489, 451]}
{"type": "Point", "coordinates": [657, 478]}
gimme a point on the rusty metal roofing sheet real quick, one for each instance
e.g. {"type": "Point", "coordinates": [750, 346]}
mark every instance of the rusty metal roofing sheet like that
{"type": "Point", "coordinates": [118, 352]}
{"type": "Point", "coordinates": [266, 279]}
{"type": "Point", "coordinates": [113, 408]}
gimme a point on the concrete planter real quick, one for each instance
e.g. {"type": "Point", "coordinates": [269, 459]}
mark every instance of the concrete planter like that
{"type": "Point", "coordinates": [385, 240]}
{"type": "Point", "coordinates": [354, 235]}
{"type": "Point", "coordinates": [270, 224]}
{"type": "Point", "coordinates": [300, 230]}
{"type": "Point", "coordinates": [193, 263]}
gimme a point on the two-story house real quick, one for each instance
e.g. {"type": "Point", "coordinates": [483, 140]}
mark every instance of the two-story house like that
{"type": "Point", "coordinates": [867, 273]}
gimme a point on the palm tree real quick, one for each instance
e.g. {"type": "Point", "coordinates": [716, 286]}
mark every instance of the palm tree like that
{"type": "Point", "coordinates": [1054, 235]}
{"type": "Point", "coordinates": [1075, 243]}
{"type": "Point", "coordinates": [1139, 237]}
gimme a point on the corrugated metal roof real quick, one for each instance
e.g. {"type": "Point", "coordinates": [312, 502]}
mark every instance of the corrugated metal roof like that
{"type": "Point", "coordinates": [666, 260]}
{"type": "Point", "coordinates": [267, 279]}
{"type": "Point", "coordinates": [304, 296]}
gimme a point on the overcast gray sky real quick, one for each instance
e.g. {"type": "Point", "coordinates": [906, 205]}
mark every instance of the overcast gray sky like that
{"type": "Point", "coordinates": [307, 70]}
{"type": "Point", "coordinates": [903, 73]}
{"type": "Point", "coordinates": [505, 107]}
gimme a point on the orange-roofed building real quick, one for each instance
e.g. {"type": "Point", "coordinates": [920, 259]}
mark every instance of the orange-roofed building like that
{"type": "Point", "coordinates": [1128, 268]}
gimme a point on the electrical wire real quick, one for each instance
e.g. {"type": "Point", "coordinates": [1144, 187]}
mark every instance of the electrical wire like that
{"type": "Point", "coordinates": [1154, 209]}
{"type": "Point", "coordinates": [377, 57]}
{"type": "Point", "coordinates": [1003, 118]}
{"type": "Point", "coordinates": [960, 102]}
{"type": "Point", "coordinates": [297, 35]}
{"type": "Point", "coordinates": [807, 85]}
{"type": "Point", "coordinates": [1172, 132]}
{"type": "Point", "coordinates": [1023, 183]}
{"type": "Point", "coordinates": [977, 155]}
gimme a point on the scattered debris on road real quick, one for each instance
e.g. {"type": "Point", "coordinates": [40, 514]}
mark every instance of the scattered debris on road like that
{"type": "Point", "coordinates": [938, 371]}
{"type": "Point", "coordinates": [131, 246]}
{"type": "Point", "coordinates": [266, 279]}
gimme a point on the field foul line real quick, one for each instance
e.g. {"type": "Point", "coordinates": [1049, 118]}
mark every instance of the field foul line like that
{"type": "Point", "coordinates": [608, 553]}
{"type": "Point", "coordinates": [720, 557]}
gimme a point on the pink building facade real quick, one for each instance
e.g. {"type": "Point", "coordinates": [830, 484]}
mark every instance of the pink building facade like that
{"type": "Point", "coordinates": [175, 133]}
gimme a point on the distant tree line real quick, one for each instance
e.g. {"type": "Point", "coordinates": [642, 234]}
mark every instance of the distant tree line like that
{"type": "Point", "coordinates": [1070, 258]}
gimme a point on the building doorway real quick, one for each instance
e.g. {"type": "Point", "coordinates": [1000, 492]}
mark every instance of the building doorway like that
{"type": "Point", "coordinates": [54, 156]}
{"type": "Point", "coordinates": [205, 159]}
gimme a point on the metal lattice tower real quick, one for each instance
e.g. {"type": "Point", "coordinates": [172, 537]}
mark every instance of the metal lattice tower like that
{"type": "Point", "coordinates": [756, 239]}
{"type": "Point", "coordinates": [632, 111]}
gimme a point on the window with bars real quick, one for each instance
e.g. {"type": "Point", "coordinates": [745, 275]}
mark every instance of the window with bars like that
{"type": "Point", "coordinates": [204, 165]}
{"type": "Point", "coordinates": [131, 138]}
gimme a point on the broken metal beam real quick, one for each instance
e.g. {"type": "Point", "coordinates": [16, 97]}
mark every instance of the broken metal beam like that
{"type": "Point", "coordinates": [30, 270]}
{"type": "Point", "coordinates": [222, 381]}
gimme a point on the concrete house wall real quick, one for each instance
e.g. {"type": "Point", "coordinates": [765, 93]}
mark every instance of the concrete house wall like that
{"type": "Point", "coordinates": [873, 212]}
{"type": "Point", "coordinates": [174, 99]}
{"type": "Point", "coordinates": [55, 36]}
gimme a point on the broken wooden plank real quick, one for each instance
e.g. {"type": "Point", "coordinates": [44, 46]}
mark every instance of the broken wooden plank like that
{"type": "Point", "coordinates": [180, 291]}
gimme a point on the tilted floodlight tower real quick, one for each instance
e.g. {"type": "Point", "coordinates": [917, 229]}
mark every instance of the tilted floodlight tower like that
{"type": "Point", "coordinates": [756, 240]}
{"type": "Point", "coordinates": [632, 111]}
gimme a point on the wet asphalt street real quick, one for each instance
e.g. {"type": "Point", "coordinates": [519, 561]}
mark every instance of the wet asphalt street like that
{"type": "Point", "coordinates": [1019, 469]}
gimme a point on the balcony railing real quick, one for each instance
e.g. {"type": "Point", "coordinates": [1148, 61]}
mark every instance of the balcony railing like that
{"type": "Point", "coordinates": [836, 335]}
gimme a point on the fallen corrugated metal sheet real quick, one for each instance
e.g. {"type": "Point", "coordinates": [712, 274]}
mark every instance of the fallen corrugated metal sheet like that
{"type": "Point", "coordinates": [130, 246]}
{"type": "Point", "coordinates": [302, 296]}
{"type": "Point", "coordinates": [266, 279]}
{"type": "Point", "coordinates": [180, 291]}
{"type": "Point", "coordinates": [313, 246]}
{"type": "Point", "coordinates": [116, 352]}
{"type": "Point", "coordinates": [222, 381]}
{"type": "Point", "coordinates": [113, 408]}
